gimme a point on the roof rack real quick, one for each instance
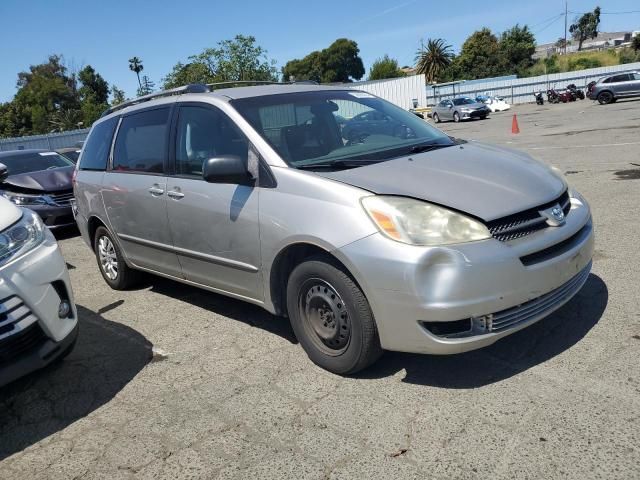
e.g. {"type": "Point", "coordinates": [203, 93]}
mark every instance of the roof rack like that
{"type": "Point", "coordinates": [199, 88]}
{"type": "Point", "coordinates": [192, 88]}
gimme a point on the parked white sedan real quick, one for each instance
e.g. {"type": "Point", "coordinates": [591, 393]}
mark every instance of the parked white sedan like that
{"type": "Point", "coordinates": [495, 104]}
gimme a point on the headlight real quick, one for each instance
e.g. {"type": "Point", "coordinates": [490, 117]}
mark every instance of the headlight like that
{"type": "Point", "coordinates": [25, 198]}
{"type": "Point", "coordinates": [21, 237]}
{"type": "Point", "coordinates": [466, 110]}
{"type": "Point", "coordinates": [420, 223]}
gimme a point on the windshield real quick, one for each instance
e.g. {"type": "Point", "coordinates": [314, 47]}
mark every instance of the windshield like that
{"type": "Point", "coordinates": [463, 101]}
{"type": "Point", "coordinates": [71, 155]}
{"type": "Point", "coordinates": [336, 127]}
{"type": "Point", "coordinates": [33, 162]}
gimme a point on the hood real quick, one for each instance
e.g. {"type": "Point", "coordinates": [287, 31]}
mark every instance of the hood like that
{"type": "Point", "coordinates": [53, 180]}
{"type": "Point", "coordinates": [472, 106]}
{"type": "Point", "coordinates": [9, 213]}
{"type": "Point", "coordinates": [485, 181]}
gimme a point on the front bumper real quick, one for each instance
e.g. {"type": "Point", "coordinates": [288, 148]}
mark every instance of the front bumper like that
{"type": "Point", "coordinates": [54, 216]}
{"type": "Point", "coordinates": [408, 286]}
{"type": "Point", "coordinates": [31, 289]}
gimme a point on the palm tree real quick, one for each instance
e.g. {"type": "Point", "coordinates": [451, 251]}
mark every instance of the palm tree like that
{"type": "Point", "coordinates": [433, 59]}
{"type": "Point", "coordinates": [135, 65]}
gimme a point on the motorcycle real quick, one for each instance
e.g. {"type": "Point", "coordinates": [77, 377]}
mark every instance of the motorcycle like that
{"type": "Point", "coordinates": [552, 96]}
{"type": "Point", "coordinates": [539, 98]}
{"type": "Point", "coordinates": [575, 92]}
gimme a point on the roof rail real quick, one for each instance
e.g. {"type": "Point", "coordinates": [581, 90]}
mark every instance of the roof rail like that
{"type": "Point", "coordinates": [192, 88]}
{"type": "Point", "coordinates": [249, 83]}
{"type": "Point", "coordinates": [199, 88]}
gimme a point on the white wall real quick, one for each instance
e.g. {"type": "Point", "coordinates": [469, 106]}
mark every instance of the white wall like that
{"type": "Point", "coordinates": [400, 91]}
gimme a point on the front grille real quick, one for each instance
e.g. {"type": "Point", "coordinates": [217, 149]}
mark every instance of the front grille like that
{"type": "Point", "coordinates": [22, 342]}
{"type": "Point", "coordinates": [525, 223]}
{"type": "Point", "coordinates": [538, 306]}
{"type": "Point", "coordinates": [12, 311]}
{"type": "Point", "coordinates": [62, 198]}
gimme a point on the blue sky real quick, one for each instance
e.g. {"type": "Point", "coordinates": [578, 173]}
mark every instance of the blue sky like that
{"type": "Point", "coordinates": [106, 34]}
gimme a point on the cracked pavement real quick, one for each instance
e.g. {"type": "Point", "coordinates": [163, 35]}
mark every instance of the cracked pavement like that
{"type": "Point", "coordinates": [168, 381]}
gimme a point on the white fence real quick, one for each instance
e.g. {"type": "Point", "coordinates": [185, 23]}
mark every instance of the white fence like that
{"type": "Point", "coordinates": [520, 90]}
{"type": "Point", "coordinates": [51, 141]}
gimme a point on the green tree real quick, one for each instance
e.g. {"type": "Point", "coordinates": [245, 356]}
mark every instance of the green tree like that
{"type": "Point", "coordinates": [93, 95]}
{"type": "Point", "coordinates": [51, 99]}
{"type": "Point", "coordinates": [185, 74]}
{"type": "Point", "coordinates": [517, 46]}
{"type": "Point", "coordinates": [433, 59]}
{"type": "Point", "coordinates": [635, 42]}
{"type": "Point", "coordinates": [232, 60]}
{"type": "Point", "coordinates": [585, 27]}
{"type": "Point", "coordinates": [118, 96]}
{"type": "Point", "coordinates": [340, 62]}
{"type": "Point", "coordinates": [43, 91]}
{"type": "Point", "coordinates": [385, 67]}
{"type": "Point", "coordinates": [147, 86]}
{"type": "Point", "coordinates": [135, 65]}
{"type": "Point", "coordinates": [480, 56]}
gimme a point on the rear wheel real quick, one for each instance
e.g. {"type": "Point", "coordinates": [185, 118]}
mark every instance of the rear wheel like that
{"type": "Point", "coordinates": [331, 317]}
{"type": "Point", "coordinates": [456, 117]}
{"type": "Point", "coordinates": [111, 262]}
{"type": "Point", "coordinates": [436, 118]}
{"type": "Point", "coordinates": [605, 98]}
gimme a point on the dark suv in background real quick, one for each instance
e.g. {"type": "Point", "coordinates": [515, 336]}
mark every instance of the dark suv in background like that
{"type": "Point", "coordinates": [609, 89]}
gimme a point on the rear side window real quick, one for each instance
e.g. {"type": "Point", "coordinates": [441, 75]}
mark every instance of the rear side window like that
{"type": "Point", "coordinates": [141, 145]}
{"type": "Point", "coordinates": [619, 78]}
{"type": "Point", "coordinates": [97, 146]}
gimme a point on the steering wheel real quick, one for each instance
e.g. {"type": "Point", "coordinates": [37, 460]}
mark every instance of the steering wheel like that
{"type": "Point", "coordinates": [356, 136]}
{"type": "Point", "coordinates": [404, 132]}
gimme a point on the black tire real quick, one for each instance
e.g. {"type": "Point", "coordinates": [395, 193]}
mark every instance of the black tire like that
{"type": "Point", "coordinates": [119, 276]}
{"type": "Point", "coordinates": [456, 117]}
{"type": "Point", "coordinates": [605, 98]}
{"type": "Point", "coordinates": [331, 317]}
{"type": "Point", "coordinates": [436, 118]}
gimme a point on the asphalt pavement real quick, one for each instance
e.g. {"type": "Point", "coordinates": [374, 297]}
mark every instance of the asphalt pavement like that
{"type": "Point", "coordinates": [168, 381]}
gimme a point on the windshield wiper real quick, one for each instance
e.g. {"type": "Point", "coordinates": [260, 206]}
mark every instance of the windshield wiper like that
{"type": "Point", "coordinates": [426, 147]}
{"type": "Point", "coordinates": [338, 164]}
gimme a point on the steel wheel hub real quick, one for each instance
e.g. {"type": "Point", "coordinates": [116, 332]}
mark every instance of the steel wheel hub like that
{"type": "Point", "coordinates": [325, 315]}
{"type": "Point", "coordinates": [108, 258]}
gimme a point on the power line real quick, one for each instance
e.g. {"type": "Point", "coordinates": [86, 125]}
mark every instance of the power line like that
{"type": "Point", "coordinates": [607, 13]}
{"type": "Point", "coordinates": [555, 19]}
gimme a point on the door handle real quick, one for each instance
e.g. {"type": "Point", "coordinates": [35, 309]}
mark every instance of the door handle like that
{"type": "Point", "coordinates": [175, 194]}
{"type": "Point", "coordinates": [156, 190]}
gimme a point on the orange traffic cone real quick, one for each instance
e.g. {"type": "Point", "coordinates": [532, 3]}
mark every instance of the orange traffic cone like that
{"type": "Point", "coordinates": [514, 125]}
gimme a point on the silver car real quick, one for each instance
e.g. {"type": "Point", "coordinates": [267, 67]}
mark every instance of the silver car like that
{"type": "Point", "coordinates": [461, 108]}
{"type": "Point", "coordinates": [621, 85]}
{"type": "Point", "coordinates": [398, 239]}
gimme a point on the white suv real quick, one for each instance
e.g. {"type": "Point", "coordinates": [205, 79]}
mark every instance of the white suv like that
{"type": "Point", "coordinates": [38, 319]}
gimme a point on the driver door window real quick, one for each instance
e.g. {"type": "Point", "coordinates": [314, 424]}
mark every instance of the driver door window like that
{"type": "Point", "coordinates": [204, 133]}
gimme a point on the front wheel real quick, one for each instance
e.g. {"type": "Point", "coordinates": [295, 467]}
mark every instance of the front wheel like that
{"type": "Point", "coordinates": [331, 317]}
{"type": "Point", "coordinates": [456, 117]}
{"type": "Point", "coordinates": [605, 98]}
{"type": "Point", "coordinates": [436, 118]}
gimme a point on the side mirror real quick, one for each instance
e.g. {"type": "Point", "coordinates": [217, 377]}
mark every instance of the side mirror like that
{"type": "Point", "coordinates": [226, 169]}
{"type": "Point", "coordinates": [4, 172]}
{"type": "Point", "coordinates": [449, 106]}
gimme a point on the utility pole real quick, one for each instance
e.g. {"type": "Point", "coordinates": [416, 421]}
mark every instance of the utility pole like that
{"type": "Point", "coordinates": [566, 10]}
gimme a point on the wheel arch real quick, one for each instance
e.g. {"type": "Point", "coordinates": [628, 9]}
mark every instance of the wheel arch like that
{"type": "Point", "coordinates": [290, 257]}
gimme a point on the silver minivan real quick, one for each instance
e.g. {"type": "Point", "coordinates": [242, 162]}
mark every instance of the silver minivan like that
{"type": "Point", "coordinates": [368, 237]}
